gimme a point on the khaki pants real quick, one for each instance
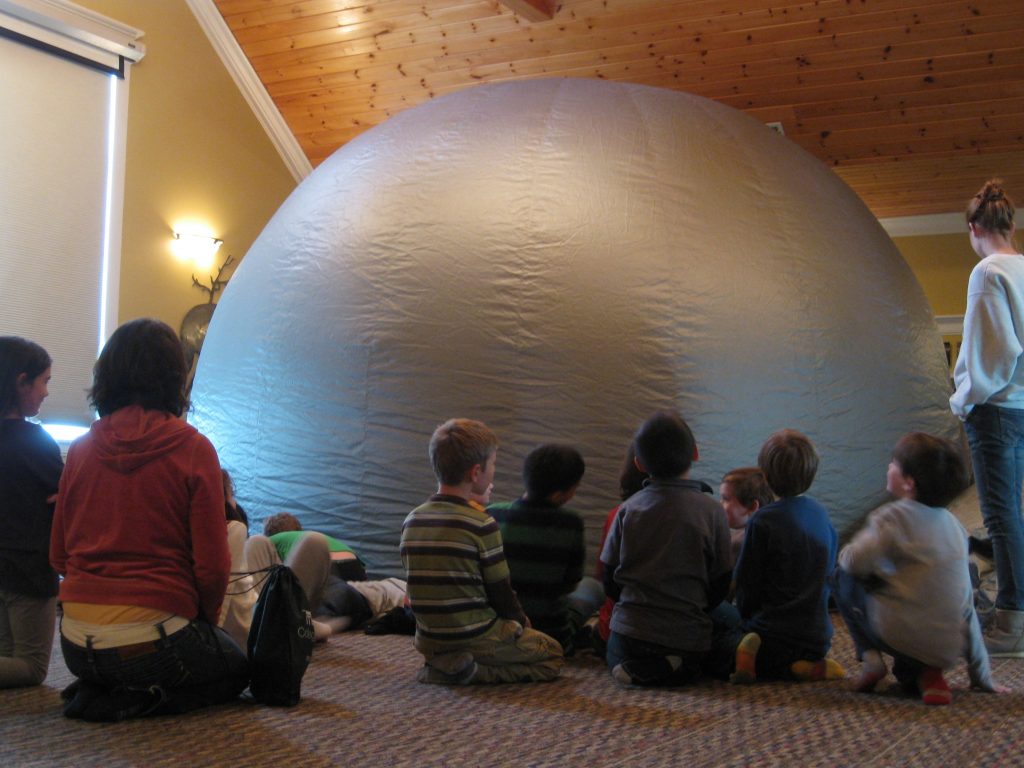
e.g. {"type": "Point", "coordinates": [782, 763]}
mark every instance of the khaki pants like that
{"type": "Point", "coordinates": [309, 559]}
{"type": "Point", "coordinates": [26, 637]}
{"type": "Point", "coordinates": [507, 653]}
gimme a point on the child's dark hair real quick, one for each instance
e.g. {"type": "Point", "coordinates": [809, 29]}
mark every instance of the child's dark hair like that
{"type": "Point", "coordinates": [143, 364]}
{"type": "Point", "coordinates": [991, 209]}
{"type": "Point", "coordinates": [233, 512]}
{"type": "Point", "coordinates": [551, 468]}
{"type": "Point", "coordinates": [18, 356]}
{"type": "Point", "coordinates": [935, 464]}
{"type": "Point", "coordinates": [457, 446]}
{"type": "Point", "coordinates": [789, 462]}
{"type": "Point", "coordinates": [748, 484]}
{"type": "Point", "coordinates": [280, 523]}
{"type": "Point", "coordinates": [632, 478]}
{"type": "Point", "coordinates": [665, 445]}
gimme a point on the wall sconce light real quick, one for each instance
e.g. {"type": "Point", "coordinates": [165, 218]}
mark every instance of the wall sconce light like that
{"type": "Point", "coordinates": [199, 249]}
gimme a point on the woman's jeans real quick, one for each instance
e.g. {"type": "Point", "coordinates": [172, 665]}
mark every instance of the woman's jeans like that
{"type": "Point", "coordinates": [996, 437]}
{"type": "Point", "coordinates": [195, 667]}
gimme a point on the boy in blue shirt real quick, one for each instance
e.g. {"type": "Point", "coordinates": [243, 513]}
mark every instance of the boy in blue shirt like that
{"type": "Point", "coordinates": [789, 552]}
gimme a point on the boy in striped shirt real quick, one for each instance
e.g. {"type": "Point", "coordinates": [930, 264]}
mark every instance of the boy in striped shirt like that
{"type": "Point", "coordinates": [470, 627]}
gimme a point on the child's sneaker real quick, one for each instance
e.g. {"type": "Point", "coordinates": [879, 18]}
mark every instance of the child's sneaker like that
{"type": "Point", "coordinates": [1005, 636]}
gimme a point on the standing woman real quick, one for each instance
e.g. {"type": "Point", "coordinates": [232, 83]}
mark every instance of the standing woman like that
{"type": "Point", "coordinates": [989, 397]}
{"type": "Point", "coordinates": [139, 536]}
{"type": "Point", "coordinates": [30, 467]}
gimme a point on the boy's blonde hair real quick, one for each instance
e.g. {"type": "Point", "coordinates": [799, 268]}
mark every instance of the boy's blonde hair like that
{"type": "Point", "coordinates": [789, 462]}
{"type": "Point", "coordinates": [457, 446]}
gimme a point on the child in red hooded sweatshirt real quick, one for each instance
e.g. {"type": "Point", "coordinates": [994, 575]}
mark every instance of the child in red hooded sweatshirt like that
{"type": "Point", "coordinates": [139, 537]}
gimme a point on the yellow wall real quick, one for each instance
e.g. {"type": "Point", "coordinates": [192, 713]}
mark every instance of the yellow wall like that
{"type": "Point", "coordinates": [195, 151]}
{"type": "Point", "coordinates": [942, 264]}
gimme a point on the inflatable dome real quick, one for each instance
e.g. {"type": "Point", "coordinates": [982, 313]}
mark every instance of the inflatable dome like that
{"type": "Point", "coordinates": [559, 258]}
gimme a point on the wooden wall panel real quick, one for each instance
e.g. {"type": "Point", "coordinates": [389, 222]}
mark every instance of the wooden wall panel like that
{"type": "Point", "coordinates": [913, 102]}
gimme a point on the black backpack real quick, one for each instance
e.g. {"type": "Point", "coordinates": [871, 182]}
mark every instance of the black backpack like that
{"type": "Point", "coordinates": [280, 639]}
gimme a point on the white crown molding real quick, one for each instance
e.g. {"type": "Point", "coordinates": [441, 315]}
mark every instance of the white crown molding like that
{"type": "Point", "coordinates": [950, 325]}
{"type": "Point", "coordinates": [932, 224]}
{"type": "Point", "coordinates": [252, 89]}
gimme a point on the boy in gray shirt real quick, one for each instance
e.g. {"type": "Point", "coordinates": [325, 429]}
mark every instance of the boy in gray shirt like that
{"type": "Point", "coordinates": [666, 562]}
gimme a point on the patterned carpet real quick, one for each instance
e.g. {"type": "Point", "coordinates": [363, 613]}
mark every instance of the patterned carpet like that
{"type": "Point", "coordinates": [361, 706]}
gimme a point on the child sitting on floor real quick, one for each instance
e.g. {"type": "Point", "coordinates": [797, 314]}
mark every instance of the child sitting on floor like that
{"type": "Point", "coordinates": [666, 562]}
{"type": "Point", "coordinates": [470, 627]}
{"type": "Point", "coordinates": [788, 553]}
{"type": "Point", "coordinates": [903, 585]}
{"type": "Point", "coordinates": [743, 491]}
{"type": "Point", "coordinates": [544, 545]}
{"type": "Point", "coordinates": [631, 480]}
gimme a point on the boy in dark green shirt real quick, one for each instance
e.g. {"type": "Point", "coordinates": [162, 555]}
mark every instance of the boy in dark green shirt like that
{"type": "Point", "coordinates": [544, 545]}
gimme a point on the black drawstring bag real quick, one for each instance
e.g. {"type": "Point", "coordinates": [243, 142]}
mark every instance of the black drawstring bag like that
{"type": "Point", "coordinates": [280, 639]}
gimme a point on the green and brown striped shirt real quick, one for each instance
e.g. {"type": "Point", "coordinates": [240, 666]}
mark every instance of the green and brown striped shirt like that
{"type": "Point", "coordinates": [451, 551]}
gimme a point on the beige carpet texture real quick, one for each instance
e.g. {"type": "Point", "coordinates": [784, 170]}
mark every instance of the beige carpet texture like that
{"type": "Point", "coordinates": [361, 706]}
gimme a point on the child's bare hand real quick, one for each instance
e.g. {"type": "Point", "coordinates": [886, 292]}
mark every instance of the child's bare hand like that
{"type": "Point", "coordinates": [994, 688]}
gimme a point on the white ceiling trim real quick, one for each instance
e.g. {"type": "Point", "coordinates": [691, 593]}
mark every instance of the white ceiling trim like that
{"type": "Point", "coordinates": [950, 325]}
{"type": "Point", "coordinates": [931, 224]}
{"type": "Point", "coordinates": [252, 89]}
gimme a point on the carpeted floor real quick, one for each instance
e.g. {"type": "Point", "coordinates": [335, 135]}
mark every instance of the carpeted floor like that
{"type": "Point", "coordinates": [362, 706]}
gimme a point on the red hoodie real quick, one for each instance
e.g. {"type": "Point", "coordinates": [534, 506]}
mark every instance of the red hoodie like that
{"type": "Point", "coordinates": [140, 517]}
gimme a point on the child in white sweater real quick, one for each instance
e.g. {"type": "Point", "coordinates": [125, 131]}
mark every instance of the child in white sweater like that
{"type": "Point", "coordinates": [903, 585]}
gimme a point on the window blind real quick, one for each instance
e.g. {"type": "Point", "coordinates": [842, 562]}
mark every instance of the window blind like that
{"type": "Point", "coordinates": [62, 131]}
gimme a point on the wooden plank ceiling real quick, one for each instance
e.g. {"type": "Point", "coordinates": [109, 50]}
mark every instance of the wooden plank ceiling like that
{"type": "Point", "coordinates": [913, 102]}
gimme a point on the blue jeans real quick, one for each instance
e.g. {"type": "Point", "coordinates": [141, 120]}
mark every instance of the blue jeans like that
{"type": "Point", "coordinates": [195, 667]}
{"type": "Point", "coordinates": [996, 437]}
{"type": "Point", "coordinates": [851, 597]}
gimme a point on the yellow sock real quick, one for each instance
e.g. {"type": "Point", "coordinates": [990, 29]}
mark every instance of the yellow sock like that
{"type": "Point", "coordinates": [746, 660]}
{"type": "Point", "coordinates": [813, 671]}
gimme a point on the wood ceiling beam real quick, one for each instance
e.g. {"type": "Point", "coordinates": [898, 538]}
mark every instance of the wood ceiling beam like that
{"type": "Point", "coordinates": [532, 10]}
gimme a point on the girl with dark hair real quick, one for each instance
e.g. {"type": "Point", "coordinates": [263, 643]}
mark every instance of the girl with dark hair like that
{"type": "Point", "coordinates": [240, 599]}
{"type": "Point", "coordinates": [989, 398]}
{"type": "Point", "coordinates": [139, 536]}
{"type": "Point", "coordinates": [631, 480]}
{"type": "Point", "coordinates": [30, 467]}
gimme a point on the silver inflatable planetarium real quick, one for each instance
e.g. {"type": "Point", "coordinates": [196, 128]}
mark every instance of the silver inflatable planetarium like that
{"type": "Point", "coordinates": [559, 258]}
